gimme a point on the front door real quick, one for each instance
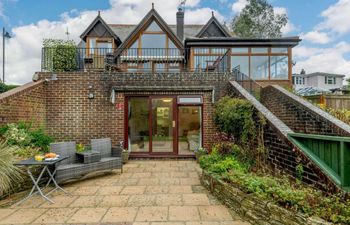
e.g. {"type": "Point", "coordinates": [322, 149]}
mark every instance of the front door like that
{"type": "Point", "coordinates": [151, 125]}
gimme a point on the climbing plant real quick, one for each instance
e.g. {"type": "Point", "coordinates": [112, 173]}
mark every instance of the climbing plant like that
{"type": "Point", "coordinates": [59, 55]}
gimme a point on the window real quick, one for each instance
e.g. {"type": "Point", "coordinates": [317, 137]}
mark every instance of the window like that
{"type": "Point", "coordinates": [241, 64]}
{"type": "Point", "coordinates": [154, 27]}
{"type": "Point", "coordinates": [279, 67]}
{"type": "Point", "coordinates": [279, 50]}
{"type": "Point", "coordinates": [260, 50]}
{"type": "Point", "coordinates": [259, 67]}
{"type": "Point", "coordinates": [239, 50]}
{"type": "Point", "coordinates": [330, 80]}
{"type": "Point", "coordinates": [189, 100]}
{"type": "Point", "coordinates": [299, 80]}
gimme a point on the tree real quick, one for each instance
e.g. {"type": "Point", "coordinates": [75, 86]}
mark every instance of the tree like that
{"type": "Point", "coordinates": [59, 55]}
{"type": "Point", "coordinates": [258, 20]}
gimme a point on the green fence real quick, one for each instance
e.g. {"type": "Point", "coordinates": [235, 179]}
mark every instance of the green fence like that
{"type": "Point", "coordinates": [330, 153]}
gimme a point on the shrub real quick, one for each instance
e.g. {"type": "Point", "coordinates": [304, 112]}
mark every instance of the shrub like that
{"type": "Point", "coordinates": [9, 174]}
{"type": "Point", "coordinates": [226, 148]}
{"type": "Point", "coordinates": [235, 117]}
{"type": "Point", "coordinates": [6, 87]}
{"type": "Point", "coordinates": [22, 135]}
{"type": "Point", "coordinates": [282, 191]}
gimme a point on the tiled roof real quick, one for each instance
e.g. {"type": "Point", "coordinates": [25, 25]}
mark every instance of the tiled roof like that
{"type": "Point", "coordinates": [319, 74]}
{"type": "Point", "coordinates": [123, 30]}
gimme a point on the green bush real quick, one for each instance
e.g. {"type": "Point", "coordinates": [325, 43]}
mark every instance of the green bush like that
{"type": "Point", "coordinates": [23, 135]}
{"type": "Point", "coordinates": [6, 87]}
{"type": "Point", "coordinates": [282, 191]}
{"type": "Point", "coordinates": [234, 116]}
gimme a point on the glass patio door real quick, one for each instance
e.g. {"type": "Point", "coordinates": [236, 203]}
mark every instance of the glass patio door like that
{"type": "Point", "coordinates": [163, 125]}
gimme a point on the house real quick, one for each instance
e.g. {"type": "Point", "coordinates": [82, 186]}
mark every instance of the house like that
{"type": "Point", "coordinates": [153, 85]}
{"type": "Point", "coordinates": [321, 81]}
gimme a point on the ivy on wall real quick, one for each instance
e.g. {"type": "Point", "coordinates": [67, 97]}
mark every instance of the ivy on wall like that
{"type": "Point", "coordinates": [60, 55]}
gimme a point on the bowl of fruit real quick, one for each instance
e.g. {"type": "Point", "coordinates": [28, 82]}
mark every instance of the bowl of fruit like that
{"type": "Point", "coordinates": [51, 156]}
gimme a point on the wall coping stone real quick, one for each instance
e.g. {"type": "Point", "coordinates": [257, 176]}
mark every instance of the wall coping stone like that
{"type": "Point", "coordinates": [281, 126]}
{"type": "Point", "coordinates": [20, 89]}
{"type": "Point", "coordinates": [314, 109]}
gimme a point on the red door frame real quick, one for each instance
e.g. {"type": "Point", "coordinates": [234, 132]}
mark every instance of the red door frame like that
{"type": "Point", "coordinates": [176, 106]}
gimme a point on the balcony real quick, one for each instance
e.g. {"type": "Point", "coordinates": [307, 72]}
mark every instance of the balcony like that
{"type": "Point", "coordinates": [134, 60]}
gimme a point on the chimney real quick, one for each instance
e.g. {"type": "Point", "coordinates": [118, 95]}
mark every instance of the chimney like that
{"type": "Point", "coordinates": [180, 20]}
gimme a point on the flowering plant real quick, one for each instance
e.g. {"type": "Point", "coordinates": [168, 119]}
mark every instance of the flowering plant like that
{"type": "Point", "coordinates": [16, 136]}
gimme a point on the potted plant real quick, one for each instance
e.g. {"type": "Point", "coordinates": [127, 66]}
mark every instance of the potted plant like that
{"type": "Point", "coordinates": [80, 148]}
{"type": "Point", "coordinates": [125, 155]}
{"type": "Point", "coordinates": [200, 152]}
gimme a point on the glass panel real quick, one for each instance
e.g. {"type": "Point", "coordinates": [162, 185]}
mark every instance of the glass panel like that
{"type": "Point", "coordinates": [159, 67]}
{"type": "Point", "coordinates": [279, 50]}
{"type": "Point", "coordinates": [92, 45]}
{"type": "Point", "coordinates": [241, 64]}
{"type": "Point", "coordinates": [153, 40]}
{"type": "Point", "coordinates": [171, 44]}
{"type": "Point", "coordinates": [190, 134]}
{"type": "Point", "coordinates": [104, 47]}
{"type": "Point", "coordinates": [138, 126]}
{"type": "Point", "coordinates": [239, 50]}
{"type": "Point", "coordinates": [153, 27]}
{"type": "Point", "coordinates": [279, 67]}
{"type": "Point", "coordinates": [220, 51]}
{"type": "Point", "coordinates": [187, 100]}
{"type": "Point", "coordinates": [204, 62]}
{"type": "Point", "coordinates": [259, 67]}
{"type": "Point", "coordinates": [201, 50]}
{"type": "Point", "coordinates": [260, 50]}
{"type": "Point", "coordinates": [162, 125]}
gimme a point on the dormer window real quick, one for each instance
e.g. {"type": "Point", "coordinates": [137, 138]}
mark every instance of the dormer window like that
{"type": "Point", "coordinates": [99, 46]}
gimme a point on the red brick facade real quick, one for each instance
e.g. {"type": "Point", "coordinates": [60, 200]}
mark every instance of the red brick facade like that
{"type": "Point", "coordinates": [25, 103]}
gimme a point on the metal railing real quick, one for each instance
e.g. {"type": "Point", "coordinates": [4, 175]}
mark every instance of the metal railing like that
{"type": "Point", "coordinates": [61, 59]}
{"type": "Point", "coordinates": [330, 153]}
{"type": "Point", "coordinates": [247, 83]}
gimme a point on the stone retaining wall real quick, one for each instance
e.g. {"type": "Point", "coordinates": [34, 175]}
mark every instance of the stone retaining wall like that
{"type": "Point", "coordinates": [253, 209]}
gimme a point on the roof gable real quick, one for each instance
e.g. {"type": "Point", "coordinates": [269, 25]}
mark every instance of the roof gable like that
{"type": "Point", "coordinates": [151, 16]}
{"type": "Point", "coordinates": [213, 28]}
{"type": "Point", "coordinates": [99, 28]}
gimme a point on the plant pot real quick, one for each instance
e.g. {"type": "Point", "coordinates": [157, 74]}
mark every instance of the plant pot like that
{"type": "Point", "coordinates": [198, 155]}
{"type": "Point", "coordinates": [125, 157]}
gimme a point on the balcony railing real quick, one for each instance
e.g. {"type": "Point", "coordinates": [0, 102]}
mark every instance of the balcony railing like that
{"type": "Point", "coordinates": [247, 83]}
{"type": "Point", "coordinates": [129, 60]}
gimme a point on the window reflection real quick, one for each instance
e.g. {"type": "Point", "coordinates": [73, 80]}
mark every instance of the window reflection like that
{"type": "Point", "coordinates": [259, 67]}
{"type": "Point", "coordinates": [279, 67]}
{"type": "Point", "coordinates": [241, 64]}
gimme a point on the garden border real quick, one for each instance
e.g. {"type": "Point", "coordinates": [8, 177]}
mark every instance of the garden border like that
{"type": "Point", "coordinates": [253, 209]}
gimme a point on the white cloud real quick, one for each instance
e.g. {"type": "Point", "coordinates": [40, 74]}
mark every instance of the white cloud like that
{"type": "Point", "coordinates": [331, 60]}
{"type": "Point", "coordinates": [239, 5]}
{"type": "Point", "coordinates": [23, 51]}
{"type": "Point", "coordinates": [337, 17]}
{"type": "Point", "coordinates": [317, 37]}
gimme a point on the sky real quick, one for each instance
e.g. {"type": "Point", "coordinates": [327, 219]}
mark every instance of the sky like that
{"type": "Point", "coordinates": [323, 26]}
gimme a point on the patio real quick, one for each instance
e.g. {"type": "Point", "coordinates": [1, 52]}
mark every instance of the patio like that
{"type": "Point", "coordinates": [147, 193]}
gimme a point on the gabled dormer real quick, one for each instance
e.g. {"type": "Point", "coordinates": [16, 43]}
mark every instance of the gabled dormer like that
{"type": "Point", "coordinates": [213, 28]}
{"type": "Point", "coordinates": [151, 45]}
{"type": "Point", "coordinates": [99, 35]}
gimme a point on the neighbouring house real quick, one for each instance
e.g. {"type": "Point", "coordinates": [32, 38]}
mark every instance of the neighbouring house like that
{"type": "Point", "coordinates": [322, 82]}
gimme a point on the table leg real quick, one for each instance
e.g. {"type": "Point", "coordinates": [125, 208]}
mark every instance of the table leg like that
{"type": "Point", "coordinates": [52, 178]}
{"type": "Point", "coordinates": [35, 186]}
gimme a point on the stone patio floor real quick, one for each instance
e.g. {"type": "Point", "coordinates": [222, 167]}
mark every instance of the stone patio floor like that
{"type": "Point", "coordinates": [146, 193]}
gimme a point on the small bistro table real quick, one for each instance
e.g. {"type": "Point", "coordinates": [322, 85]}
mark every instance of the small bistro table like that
{"type": "Point", "coordinates": [45, 165]}
{"type": "Point", "coordinates": [89, 156]}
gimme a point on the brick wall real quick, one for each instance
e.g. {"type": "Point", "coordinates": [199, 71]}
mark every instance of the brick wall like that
{"type": "Point", "coordinates": [283, 155]}
{"type": "Point", "coordinates": [25, 103]}
{"type": "Point", "coordinates": [71, 115]}
{"type": "Point", "coordinates": [300, 115]}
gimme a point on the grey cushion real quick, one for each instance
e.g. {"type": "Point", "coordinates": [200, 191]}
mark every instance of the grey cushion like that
{"type": "Point", "coordinates": [104, 146]}
{"type": "Point", "coordinates": [65, 149]}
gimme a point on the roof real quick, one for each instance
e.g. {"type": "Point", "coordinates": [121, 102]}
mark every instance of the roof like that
{"type": "Point", "coordinates": [97, 20]}
{"type": "Point", "coordinates": [308, 91]}
{"type": "Point", "coordinates": [319, 74]}
{"type": "Point", "coordinates": [123, 30]}
{"type": "Point", "coordinates": [152, 15]}
{"type": "Point", "coordinates": [213, 21]}
{"type": "Point", "coordinates": [234, 41]}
